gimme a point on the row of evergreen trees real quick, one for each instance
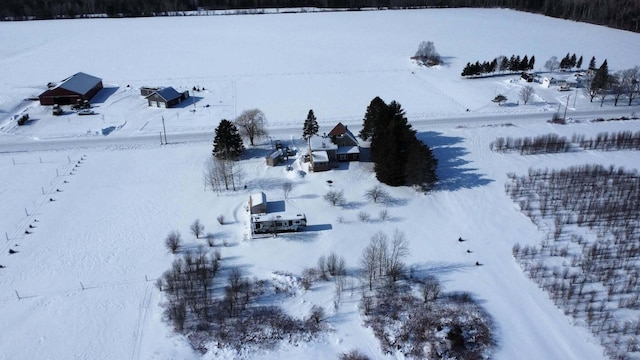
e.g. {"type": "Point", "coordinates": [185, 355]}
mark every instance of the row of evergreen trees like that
{"type": "Point", "coordinates": [500, 64]}
{"type": "Point", "coordinates": [572, 61]}
{"type": "Point", "coordinates": [399, 157]}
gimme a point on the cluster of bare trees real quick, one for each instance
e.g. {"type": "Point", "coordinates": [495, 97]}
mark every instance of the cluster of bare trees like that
{"type": "Point", "coordinates": [543, 144]}
{"type": "Point", "coordinates": [188, 287]}
{"type": "Point", "coordinates": [222, 174]}
{"type": "Point", "coordinates": [552, 143]}
{"type": "Point", "coordinates": [383, 259]}
{"type": "Point", "coordinates": [202, 305]}
{"type": "Point", "coordinates": [437, 326]}
{"type": "Point", "coordinates": [623, 140]}
{"type": "Point", "coordinates": [433, 326]}
{"type": "Point", "coordinates": [593, 278]}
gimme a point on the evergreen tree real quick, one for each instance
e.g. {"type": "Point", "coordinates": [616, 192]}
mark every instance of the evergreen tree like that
{"type": "Point", "coordinates": [565, 62]}
{"type": "Point", "coordinates": [600, 81]}
{"type": "Point", "coordinates": [504, 64]}
{"type": "Point", "coordinates": [376, 112]}
{"type": "Point", "coordinates": [579, 63]}
{"type": "Point", "coordinates": [493, 66]}
{"type": "Point", "coordinates": [421, 165]}
{"type": "Point", "coordinates": [592, 63]}
{"type": "Point", "coordinates": [399, 157]}
{"type": "Point", "coordinates": [532, 62]}
{"type": "Point", "coordinates": [524, 64]}
{"type": "Point", "coordinates": [227, 143]}
{"type": "Point", "coordinates": [389, 147]}
{"type": "Point", "coordinates": [310, 127]}
{"type": "Point", "coordinates": [573, 61]}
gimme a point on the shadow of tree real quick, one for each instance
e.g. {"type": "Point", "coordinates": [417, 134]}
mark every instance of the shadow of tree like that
{"type": "Point", "coordinates": [453, 171]}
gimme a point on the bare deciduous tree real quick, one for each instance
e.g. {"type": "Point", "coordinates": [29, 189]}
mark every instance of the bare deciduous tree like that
{"type": "Point", "coordinates": [552, 64]}
{"type": "Point", "coordinates": [197, 228]}
{"type": "Point", "coordinates": [287, 186]}
{"type": "Point", "coordinates": [369, 263]}
{"type": "Point", "coordinates": [430, 288]}
{"type": "Point", "coordinates": [376, 194]}
{"type": "Point", "coordinates": [526, 93]}
{"type": "Point", "coordinates": [335, 197]}
{"type": "Point", "coordinates": [252, 125]}
{"type": "Point", "coordinates": [364, 216]}
{"type": "Point", "coordinates": [399, 250]}
{"type": "Point", "coordinates": [173, 241]}
{"type": "Point", "coordinates": [384, 214]}
{"type": "Point", "coordinates": [223, 174]}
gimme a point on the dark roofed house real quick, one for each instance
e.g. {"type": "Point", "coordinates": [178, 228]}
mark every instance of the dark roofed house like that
{"type": "Point", "coordinates": [76, 88]}
{"type": "Point", "coordinates": [165, 97]}
{"type": "Point", "coordinates": [348, 148]}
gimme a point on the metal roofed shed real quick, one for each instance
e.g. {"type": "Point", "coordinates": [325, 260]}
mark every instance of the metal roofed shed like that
{"type": "Point", "coordinates": [78, 87]}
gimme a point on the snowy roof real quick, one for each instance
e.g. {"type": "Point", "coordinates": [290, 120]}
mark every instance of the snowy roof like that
{"type": "Point", "coordinates": [322, 143]}
{"type": "Point", "coordinates": [80, 83]}
{"type": "Point", "coordinates": [258, 199]}
{"type": "Point", "coordinates": [320, 156]}
{"type": "Point", "coordinates": [348, 150]}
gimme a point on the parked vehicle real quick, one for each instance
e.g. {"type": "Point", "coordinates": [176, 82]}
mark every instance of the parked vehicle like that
{"type": "Point", "coordinates": [86, 112]}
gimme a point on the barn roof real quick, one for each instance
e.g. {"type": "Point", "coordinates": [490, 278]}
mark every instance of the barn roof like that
{"type": "Point", "coordinates": [80, 83]}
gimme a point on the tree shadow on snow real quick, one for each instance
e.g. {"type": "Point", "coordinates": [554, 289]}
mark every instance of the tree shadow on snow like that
{"type": "Point", "coordinates": [453, 171]}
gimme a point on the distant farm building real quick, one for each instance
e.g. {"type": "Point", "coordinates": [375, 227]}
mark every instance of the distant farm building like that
{"type": "Point", "coordinates": [78, 88]}
{"type": "Point", "coordinates": [166, 97]}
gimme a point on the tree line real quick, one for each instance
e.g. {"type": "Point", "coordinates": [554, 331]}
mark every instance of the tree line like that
{"type": "Point", "coordinates": [501, 64]}
{"type": "Point", "coordinates": [622, 14]}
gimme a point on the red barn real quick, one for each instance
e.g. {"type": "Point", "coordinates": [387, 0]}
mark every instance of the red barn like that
{"type": "Point", "coordinates": [74, 89]}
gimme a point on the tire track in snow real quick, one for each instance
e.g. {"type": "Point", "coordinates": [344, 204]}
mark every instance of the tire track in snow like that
{"type": "Point", "coordinates": [142, 321]}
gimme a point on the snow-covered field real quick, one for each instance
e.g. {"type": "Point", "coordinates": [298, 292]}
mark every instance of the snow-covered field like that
{"type": "Point", "coordinates": [81, 284]}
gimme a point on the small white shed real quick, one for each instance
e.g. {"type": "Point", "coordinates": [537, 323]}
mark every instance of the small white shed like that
{"type": "Point", "coordinates": [258, 203]}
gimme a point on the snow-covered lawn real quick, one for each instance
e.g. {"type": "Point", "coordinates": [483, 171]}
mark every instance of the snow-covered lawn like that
{"type": "Point", "coordinates": [81, 285]}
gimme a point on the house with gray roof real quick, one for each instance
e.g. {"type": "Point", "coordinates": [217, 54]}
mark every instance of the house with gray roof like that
{"type": "Point", "coordinates": [163, 97]}
{"type": "Point", "coordinates": [75, 89]}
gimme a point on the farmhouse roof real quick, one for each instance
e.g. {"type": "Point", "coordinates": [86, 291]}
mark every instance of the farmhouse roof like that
{"type": "Point", "coordinates": [80, 83]}
{"type": "Point", "coordinates": [341, 130]}
{"type": "Point", "coordinates": [322, 143]}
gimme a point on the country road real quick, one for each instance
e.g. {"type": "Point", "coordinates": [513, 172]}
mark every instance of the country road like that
{"type": "Point", "coordinates": [12, 144]}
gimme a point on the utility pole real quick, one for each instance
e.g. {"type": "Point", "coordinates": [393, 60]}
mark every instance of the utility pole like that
{"type": "Point", "coordinates": [165, 131]}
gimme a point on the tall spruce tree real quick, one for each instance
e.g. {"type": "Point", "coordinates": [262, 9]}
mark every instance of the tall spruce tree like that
{"type": "Point", "coordinates": [310, 126]}
{"type": "Point", "coordinates": [600, 81]}
{"type": "Point", "coordinates": [420, 169]}
{"type": "Point", "coordinates": [399, 157]}
{"type": "Point", "coordinates": [227, 143]}
{"type": "Point", "coordinates": [376, 113]}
